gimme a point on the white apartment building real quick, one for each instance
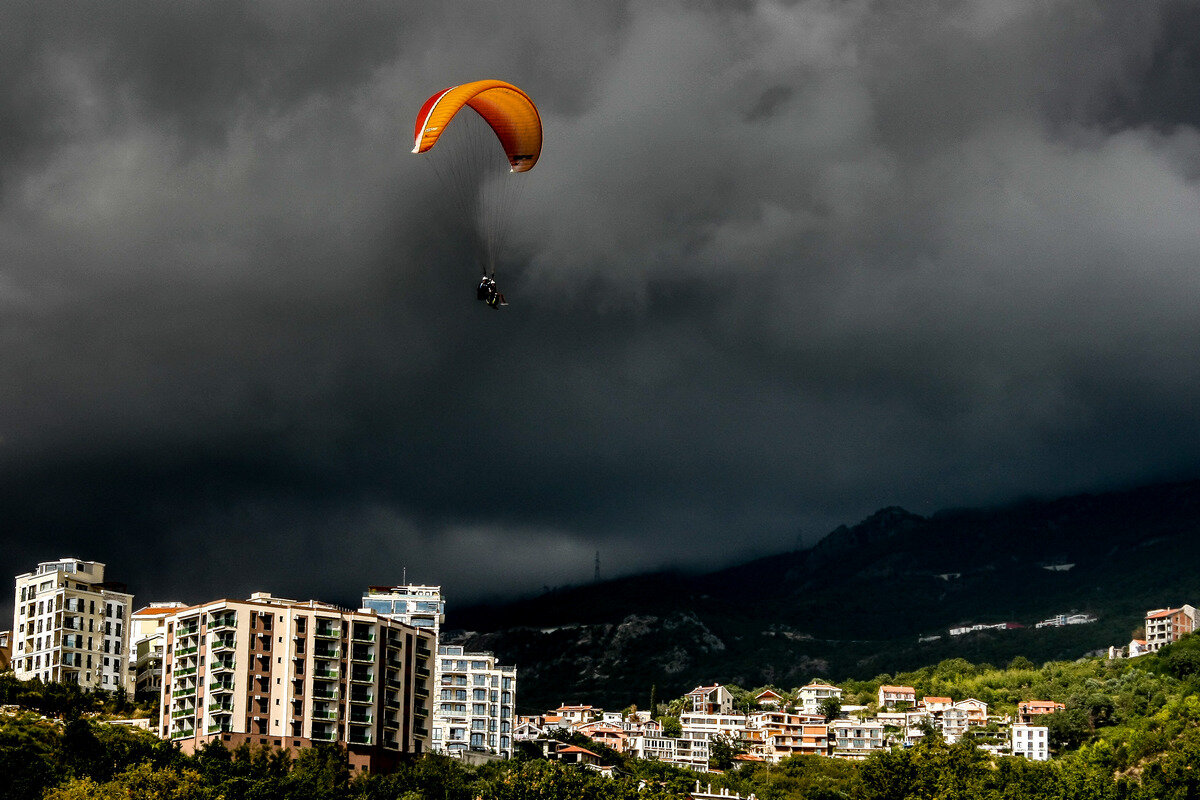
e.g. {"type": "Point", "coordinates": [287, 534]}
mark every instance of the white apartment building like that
{"type": "Point", "coordinates": [475, 705]}
{"type": "Point", "coordinates": [147, 640]}
{"type": "Point", "coordinates": [290, 674]}
{"type": "Point", "coordinates": [709, 726]}
{"type": "Point", "coordinates": [1031, 741]}
{"type": "Point", "coordinates": [856, 739]}
{"type": "Point", "coordinates": [812, 695]}
{"type": "Point", "coordinates": [690, 753]}
{"type": "Point", "coordinates": [72, 626]}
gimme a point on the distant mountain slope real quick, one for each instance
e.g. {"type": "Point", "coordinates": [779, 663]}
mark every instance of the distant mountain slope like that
{"type": "Point", "coordinates": [854, 604]}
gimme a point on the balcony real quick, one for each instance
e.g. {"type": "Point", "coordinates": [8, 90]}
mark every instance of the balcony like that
{"type": "Point", "coordinates": [324, 714]}
{"type": "Point", "coordinates": [327, 632]}
{"type": "Point", "coordinates": [327, 674]}
{"type": "Point", "coordinates": [185, 692]}
{"type": "Point", "coordinates": [222, 623]}
{"type": "Point", "coordinates": [220, 708]}
{"type": "Point", "coordinates": [326, 652]}
{"type": "Point", "coordinates": [221, 665]}
{"type": "Point", "coordinates": [361, 719]}
{"type": "Point", "coordinates": [362, 654]}
{"type": "Point", "coordinates": [218, 727]}
{"type": "Point", "coordinates": [362, 698]}
{"type": "Point", "coordinates": [180, 713]}
{"type": "Point", "coordinates": [324, 735]}
{"type": "Point", "coordinates": [220, 688]}
{"type": "Point", "coordinates": [325, 694]}
{"type": "Point", "coordinates": [362, 676]}
{"type": "Point", "coordinates": [359, 737]}
{"type": "Point", "coordinates": [221, 645]}
{"type": "Point", "coordinates": [364, 636]}
{"type": "Point", "coordinates": [185, 672]}
{"type": "Point", "coordinates": [180, 652]}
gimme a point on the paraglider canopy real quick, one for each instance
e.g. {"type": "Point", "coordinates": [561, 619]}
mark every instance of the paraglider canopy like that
{"type": "Point", "coordinates": [508, 110]}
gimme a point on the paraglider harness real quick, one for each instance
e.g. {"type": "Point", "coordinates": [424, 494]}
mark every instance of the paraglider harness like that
{"type": "Point", "coordinates": [488, 293]}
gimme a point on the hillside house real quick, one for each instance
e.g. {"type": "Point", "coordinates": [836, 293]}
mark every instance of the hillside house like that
{"type": "Point", "coordinates": [934, 705]}
{"type": "Point", "coordinates": [768, 699]}
{"type": "Point", "coordinates": [1031, 741]}
{"type": "Point", "coordinates": [812, 695]}
{"type": "Point", "coordinates": [714, 699]}
{"type": "Point", "coordinates": [1166, 625]}
{"type": "Point", "coordinates": [1028, 709]}
{"type": "Point", "coordinates": [856, 739]}
{"type": "Point", "coordinates": [890, 696]}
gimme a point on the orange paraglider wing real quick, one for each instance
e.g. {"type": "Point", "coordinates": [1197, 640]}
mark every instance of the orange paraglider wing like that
{"type": "Point", "coordinates": [507, 109]}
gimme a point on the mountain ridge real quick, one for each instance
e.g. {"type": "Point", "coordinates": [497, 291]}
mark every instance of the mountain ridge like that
{"type": "Point", "coordinates": [856, 602]}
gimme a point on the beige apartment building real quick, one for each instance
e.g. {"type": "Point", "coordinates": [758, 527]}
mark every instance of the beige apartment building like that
{"type": "Point", "coordinates": [1166, 625]}
{"type": "Point", "coordinates": [290, 674]}
{"type": "Point", "coordinates": [71, 625]}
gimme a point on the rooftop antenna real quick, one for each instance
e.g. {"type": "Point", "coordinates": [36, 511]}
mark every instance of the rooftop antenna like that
{"type": "Point", "coordinates": [404, 576]}
{"type": "Point", "coordinates": [596, 578]}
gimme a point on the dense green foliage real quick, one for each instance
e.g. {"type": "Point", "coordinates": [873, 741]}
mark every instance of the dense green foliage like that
{"type": "Point", "coordinates": [1131, 731]}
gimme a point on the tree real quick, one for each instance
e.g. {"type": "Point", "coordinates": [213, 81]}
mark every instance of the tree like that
{"type": "Point", "coordinates": [830, 708]}
{"type": "Point", "coordinates": [721, 750]}
{"type": "Point", "coordinates": [672, 727]}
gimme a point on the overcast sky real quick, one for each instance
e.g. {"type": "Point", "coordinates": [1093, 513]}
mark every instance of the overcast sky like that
{"type": "Point", "coordinates": [781, 264]}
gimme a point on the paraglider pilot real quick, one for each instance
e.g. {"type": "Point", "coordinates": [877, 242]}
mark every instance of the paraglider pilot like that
{"type": "Point", "coordinates": [488, 293]}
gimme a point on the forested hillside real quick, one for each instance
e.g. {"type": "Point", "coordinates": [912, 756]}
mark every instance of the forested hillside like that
{"type": "Point", "coordinates": [1130, 731]}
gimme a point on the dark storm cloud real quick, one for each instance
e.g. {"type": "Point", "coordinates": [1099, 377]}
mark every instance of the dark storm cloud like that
{"type": "Point", "coordinates": [780, 264]}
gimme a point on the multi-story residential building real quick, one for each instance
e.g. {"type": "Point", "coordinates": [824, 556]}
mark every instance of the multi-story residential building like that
{"type": "Point", "coordinates": [1028, 709]}
{"type": "Point", "coordinates": [476, 703]}
{"type": "Point", "coordinates": [690, 753]}
{"type": "Point", "coordinates": [419, 606]}
{"type": "Point", "coordinates": [955, 722]}
{"type": "Point", "coordinates": [1031, 741]}
{"type": "Point", "coordinates": [714, 699]}
{"type": "Point", "coordinates": [977, 710]}
{"type": "Point", "coordinates": [147, 639]}
{"type": "Point", "coordinates": [711, 726]}
{"type": "Point", "coordinates": [812, 695]}
{"type": "Point", "coordinates": [573, 716]}
{"type": "Point", "coordinates": [457, 728]}
{"type": "Point", "coordinates": [1166, 625]}
{"type": "Point", "coordinates": [890, 696]}
{"type": "Point", "coordinates": [775, 735]}
{"type": "Point", "coordinates": [814, 740]}
{"type": "Point", "coordinates": [290, 674]}
{"type": "Point", "coordinates": [856, 739]}
{"type": "Point", "coordinates": [935, 705]}
{"type": "Point", "coordinates": [71, 625]}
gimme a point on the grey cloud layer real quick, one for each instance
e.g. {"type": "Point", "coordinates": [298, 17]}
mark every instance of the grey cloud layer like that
{"type": "Point", "coordinates": [780, 264]}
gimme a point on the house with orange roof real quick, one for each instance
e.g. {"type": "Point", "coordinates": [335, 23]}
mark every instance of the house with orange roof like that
{"type": "Point", "coordinates": [934, 705]}
{"type": "Point", "coordinates": [1028, 709]}
{"type": "Point", "coordinates": [576, 715]}
{"type": "Point", "coordinates": [1166, 625]}
{"type": "Point", "coordinates": [889, 696]}
{"type": "Point", "coordinates": [768, 699]}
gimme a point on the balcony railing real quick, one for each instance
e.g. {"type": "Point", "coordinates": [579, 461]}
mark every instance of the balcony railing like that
{"type": "Point", "coordinates": [324, 715]}
{"type": "Point", "coordinates": [221, 666]}
{"type": "Point", "coordinates": [327, 632]}
{"type": "Point", "coordinates": [325, 694]}
{"type": "Point", "coordinates": [362, 698]}
{"type": "Point", "coordinates": [324, 736]}
{"type": "Point", "coordinates": [219, 687]}
{"type": "Point", "coordinates": [185, 692]}
{"type": "Point", "coordinates": [185, 672]}
{"type": "Point", "coordinates": [330, 674]}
